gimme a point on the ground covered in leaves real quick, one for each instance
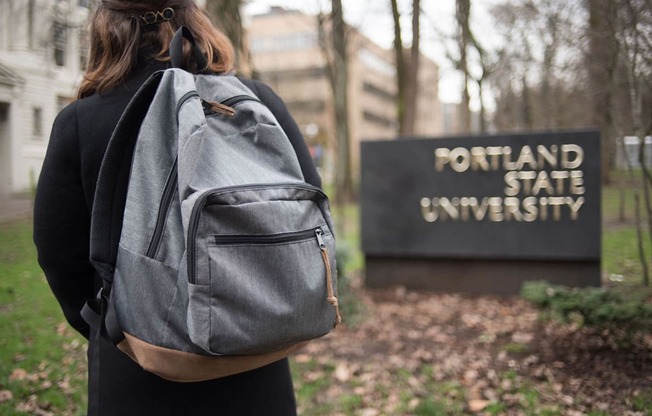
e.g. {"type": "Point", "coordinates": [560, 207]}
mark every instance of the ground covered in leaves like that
{"type": "Point", "coordinates": [441, 354]}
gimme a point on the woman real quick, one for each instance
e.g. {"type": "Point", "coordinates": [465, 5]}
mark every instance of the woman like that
{"type": "Point", "coordinates": [129, 41]}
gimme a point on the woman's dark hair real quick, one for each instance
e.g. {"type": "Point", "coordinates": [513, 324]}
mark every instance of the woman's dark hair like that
{"type": "Point", "coordinates": [118, 34]}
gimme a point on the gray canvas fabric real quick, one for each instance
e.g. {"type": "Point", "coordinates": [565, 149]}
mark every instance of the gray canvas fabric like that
{"type": "Point", "coordinates": [219, 252]}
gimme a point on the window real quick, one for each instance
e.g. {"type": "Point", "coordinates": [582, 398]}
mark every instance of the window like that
{"type": "Point", "coordinates": [59, 38]}
{"type": "Point", "coordinates": [37, 122]}
{"type": "Point", "coordinates": [4, 112]}
{"type": "Point", "coordinates": [628, 148]}
{"type": "Point", "coordinates": [378, 92]}
{"type": "Point", "coordinates": [376, 63]}
{"type": "Point", "coordinates": [294, 75]}
{"type": "Point", "coordinates": [283, 43]}
{"type": "Point", "coordinates": [377, 119]}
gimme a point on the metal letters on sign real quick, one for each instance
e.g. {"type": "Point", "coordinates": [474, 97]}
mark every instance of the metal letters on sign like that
{"type": "Point", "coordinates": [511, 197]}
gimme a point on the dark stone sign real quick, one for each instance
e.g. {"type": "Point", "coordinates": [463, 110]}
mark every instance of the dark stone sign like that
{"type": "Point", "coordinates": [483, 213]}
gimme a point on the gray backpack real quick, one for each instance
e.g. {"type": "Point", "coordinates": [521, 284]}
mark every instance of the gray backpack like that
{"type": "Point", "coordinates": [223, 258]}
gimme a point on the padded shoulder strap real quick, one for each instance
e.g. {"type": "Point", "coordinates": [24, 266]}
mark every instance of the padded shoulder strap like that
{"type": "Point", "coordinates": [113, 180]}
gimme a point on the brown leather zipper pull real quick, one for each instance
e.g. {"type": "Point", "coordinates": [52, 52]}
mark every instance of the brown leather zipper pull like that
{"type": "Point", "coordinates": [218, 108]}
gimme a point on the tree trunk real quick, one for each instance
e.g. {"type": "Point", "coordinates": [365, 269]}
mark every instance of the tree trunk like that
{"type": "Point", "coordinates": [407, 70]}
{"type": "Point", "coordinates": [408, 123]}
{"type": "Point", "coordinates": [226, 16]}
{"type": "Point", "coordinates": [399, 57]}
{"type": "Point", "coordinates": [603, 55]}
{"type": "Point", "coordinates": [526, 116]}
{"type": "Point", "coordinates": [343, 174]}
{"type": "Point", "coordinates": [463, 11]}
{"type": "Point", "coordinates": [639, 238]}
{"type": "Point", "coordinates": [483, 111]}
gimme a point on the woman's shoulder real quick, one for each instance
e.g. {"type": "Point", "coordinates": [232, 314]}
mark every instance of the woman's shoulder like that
{"type": "Point", "coordinates": [65, 123]}
{"type": "Point", "coordinates": [68, 114]}
{"type": "Point", "coordinates": [67, 120]}
{"type": "Point", "coordinates": [252, 84]}
{"type": "Point", "coordinates": [262, 90]}
{"type": "Point", "coordinates": [98, 101]}
{"type": "Point", "coordinates": [268, 97]}
{"type": "Point", "coordinates": [115, 99]}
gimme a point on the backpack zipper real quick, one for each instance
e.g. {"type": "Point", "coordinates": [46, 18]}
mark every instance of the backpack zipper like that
{"type": "Point", "coordinates": [289, 237]}
{"type": "Point", "coordinates": [193, 223]}
{"type": "Point", "coordinates": [187, 96]}
{"type": "Point", "coordinates": [164, 207]}
{"type": "Point", "coordinates": [237, 99]}
{"type": "Point", "coordinates": [225, 107]}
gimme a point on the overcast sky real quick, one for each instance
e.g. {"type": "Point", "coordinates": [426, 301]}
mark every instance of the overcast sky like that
{"type": "Point", "coordinates": [373, 18]}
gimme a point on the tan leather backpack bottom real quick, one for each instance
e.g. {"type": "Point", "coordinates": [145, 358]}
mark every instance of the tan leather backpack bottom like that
{"type": "Point", "coordinates": [182, 366]}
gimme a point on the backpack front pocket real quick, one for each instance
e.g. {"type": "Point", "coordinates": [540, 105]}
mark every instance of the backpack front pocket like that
{"type": "Point", "coordinates": [265, 257]}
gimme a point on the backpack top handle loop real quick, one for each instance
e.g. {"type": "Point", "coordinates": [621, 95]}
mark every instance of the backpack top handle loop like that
{"type": "Point", "coordinates": [176, 50]}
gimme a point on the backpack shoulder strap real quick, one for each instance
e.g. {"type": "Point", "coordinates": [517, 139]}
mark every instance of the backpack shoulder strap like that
{"type": "Point", "coordinates": [109, 205]}
{"type": "Point", "coordinates": [176, 51]}
{"type": "Point", "coordinates": [113, 180]}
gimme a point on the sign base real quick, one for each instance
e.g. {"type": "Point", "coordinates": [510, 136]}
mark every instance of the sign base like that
{"type": "Point", "coordinates": [477, 276]}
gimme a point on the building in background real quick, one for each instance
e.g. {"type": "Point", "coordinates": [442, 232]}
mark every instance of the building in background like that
{"type": "Point", "coordinates": [627, 152]}
{"type": "Point", "coordinates": [41, 58]}
{"type": "Point", "coordinates": [286, 54]}
{"type": "Point", "coordinates": [42, 54]}
{"type": "Point", "coordinates": [452, 121]}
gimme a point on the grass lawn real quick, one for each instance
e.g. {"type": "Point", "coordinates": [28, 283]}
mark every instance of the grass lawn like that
{"type": "Point", "coordinates": [620, 256]}
{"type": "Point", "coordinates": [42, 364]}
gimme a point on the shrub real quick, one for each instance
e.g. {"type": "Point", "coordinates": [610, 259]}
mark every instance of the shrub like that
{"type": "Point", "coordinates": [604, 308]}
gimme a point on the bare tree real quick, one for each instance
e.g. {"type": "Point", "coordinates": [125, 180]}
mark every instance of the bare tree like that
{"type": "Point", "coordinates": [633, 33]}
{"type": "Point", "coordinates": [511, 65]}
{"type": "Point", "coordinates": [540, 64]}
{"type": "Point", "coordinates": [407, 69]}
{"type": "Point", "coordinates": [464, 40]}
{"type": "Point", "coordinates": [602, 62]}
{"type": "Point", "coordinates": [334, 48]}
{"type": "Point", "coordinates": [470, 51]}
{"type": "Point", "coordinates": [485, 68]}
{"type": "Point", "coordinates": [551, 23]}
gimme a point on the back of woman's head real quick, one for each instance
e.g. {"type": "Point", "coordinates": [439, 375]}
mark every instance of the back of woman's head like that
{"type": "Point", "coordinates": [124, 32]}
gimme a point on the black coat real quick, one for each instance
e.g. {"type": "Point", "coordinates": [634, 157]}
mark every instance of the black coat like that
{"type": "Point", "coordinates": [64, 199]}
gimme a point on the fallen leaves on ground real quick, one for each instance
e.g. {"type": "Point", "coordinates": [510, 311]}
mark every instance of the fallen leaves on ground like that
{"type": "Point", "coordinates": [47, 387]}
{"type": "Point", "coordinates": [5, 395]}
{"type": "Point", "coordinates": [423, 353]}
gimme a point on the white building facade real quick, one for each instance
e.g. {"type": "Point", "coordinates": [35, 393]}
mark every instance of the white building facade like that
{"type": "Point", "coordinates": [42, 54]}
